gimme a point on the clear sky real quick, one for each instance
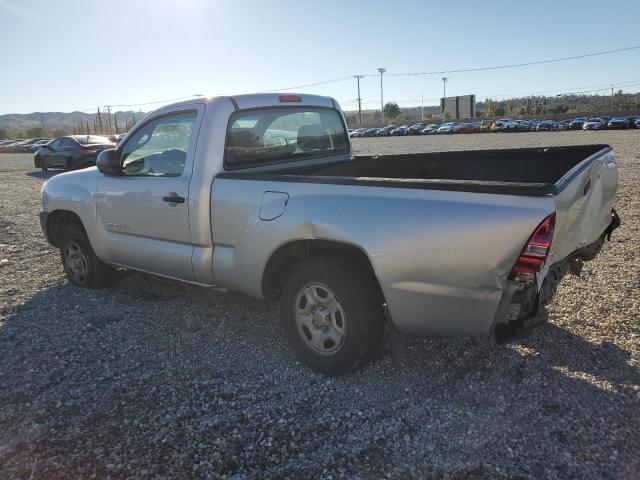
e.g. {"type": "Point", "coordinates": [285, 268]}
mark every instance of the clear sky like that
{"type": "Point", "coordinates": [77, 55]}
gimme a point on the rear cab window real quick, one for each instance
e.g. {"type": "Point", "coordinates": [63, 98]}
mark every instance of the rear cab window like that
{"type": "Point", "coordinates": [275, 135]}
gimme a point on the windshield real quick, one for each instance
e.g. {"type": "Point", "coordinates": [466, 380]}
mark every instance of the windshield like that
{"type": "Point", "coordinates": [277, 135]}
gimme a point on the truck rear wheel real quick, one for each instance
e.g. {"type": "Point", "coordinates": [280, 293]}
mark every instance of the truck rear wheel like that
{"type": "Point", "coordinates": [81, 265]}
{"type": "Point", "coordinates": [332, 315]}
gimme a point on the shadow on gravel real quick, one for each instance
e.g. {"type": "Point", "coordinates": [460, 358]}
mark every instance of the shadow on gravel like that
{"type": "Point", "coordinates": [162, 377]}
{"type": "Point", "coordinates": [43, 175]}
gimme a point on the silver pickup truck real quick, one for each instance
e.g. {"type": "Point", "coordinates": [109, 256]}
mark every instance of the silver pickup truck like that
{"type": "Point", "coordinates": [262, 194]}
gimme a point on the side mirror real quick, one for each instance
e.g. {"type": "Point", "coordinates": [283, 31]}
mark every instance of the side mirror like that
{"type": "Point", "coordinates": [108, 162]}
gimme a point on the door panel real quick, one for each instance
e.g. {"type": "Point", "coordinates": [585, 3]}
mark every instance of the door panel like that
{"type": "Point", "coordinates": [144, 212]}
{"type": "Point", "coordinates": [48, 160]}
{"type": "Point", "coordinates": [143, 231]}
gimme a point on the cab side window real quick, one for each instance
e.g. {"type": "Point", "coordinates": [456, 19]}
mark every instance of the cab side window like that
{"type": "Point", "coordinates": [159, 148]}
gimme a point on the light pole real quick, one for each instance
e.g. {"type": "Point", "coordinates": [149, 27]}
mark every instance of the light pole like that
{"type": "Point", "coordinates": [444, 93]}
{"type": "Point", "coordinates": [358, 77]}
{"type": "Point", "coordinates": [381, 70]}
{"type": "Point", "coordinates": [611, 108]}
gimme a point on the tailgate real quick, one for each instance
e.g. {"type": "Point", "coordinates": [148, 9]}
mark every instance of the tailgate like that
{"type": "Point", "coordinates": [584, 199]}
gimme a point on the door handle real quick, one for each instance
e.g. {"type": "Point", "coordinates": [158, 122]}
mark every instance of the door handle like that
{"type": "Point", "coordinates": [173, 197]}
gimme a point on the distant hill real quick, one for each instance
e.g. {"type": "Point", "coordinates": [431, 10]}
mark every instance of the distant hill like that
{"type": "Point", "coordinates": [61, 123]}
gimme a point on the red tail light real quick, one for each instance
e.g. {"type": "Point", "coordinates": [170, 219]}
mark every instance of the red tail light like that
{"type": "Point", "coordinates": [290, 98]}
{"type": "Point", "coordinates": [536, 251]}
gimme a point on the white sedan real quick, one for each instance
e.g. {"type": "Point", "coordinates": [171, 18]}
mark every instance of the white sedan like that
{"type": "Point", "coordinates": [450, 127]}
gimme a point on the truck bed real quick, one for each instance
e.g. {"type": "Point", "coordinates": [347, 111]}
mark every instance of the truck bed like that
{"type": "Point", "coordinates": [524, 171]}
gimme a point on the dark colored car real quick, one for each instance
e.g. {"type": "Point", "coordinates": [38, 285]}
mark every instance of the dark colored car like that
{"type": "Point", "coordinates": [72, 152]}
{"type": "Point", "coordinates": [415, 129]}
{"type": "Point", "coordinates": [370, 132]}
{"type": "Point", "coordinates": [546, 126]}
{"type": "Point", "coordinates": [468, 128]}
{"type": "Point", "coordinates": [577, 123]}
{"type": "Point", "coordinates": [621, 123]}
{"type": "Point", "coordinates": [563, 125]}
{"type": "Point", "coordinates": [402, 130]}
{"type": "Point", "coordinates": [385, 131]}
{"type": "Point", "coordinates": [523, 126]}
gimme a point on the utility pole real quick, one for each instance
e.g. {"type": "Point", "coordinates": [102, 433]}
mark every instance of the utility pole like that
{"type": "Point", "coordinates": [42, 122]}
{"type": "Point", "coordinates": [100, 121]}
{"type": "Point", "coordinates": [422, 108]}
{"type": "Point", "coordinates": [611, 98]}
{"type": "Point", "coordinates": [108, 107]}
{"type": "Point", "coordinates": [115, 122]}
{"type": "Point", "coordinates": [358, 77]}
{"type": "Point", "coordinates": [381, 70]}
{"type": "Point", "coordinates": [444, 93]}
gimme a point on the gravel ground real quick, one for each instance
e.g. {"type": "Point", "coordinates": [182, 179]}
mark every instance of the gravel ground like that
{"type": "Point", "coordinates": [155, 379]}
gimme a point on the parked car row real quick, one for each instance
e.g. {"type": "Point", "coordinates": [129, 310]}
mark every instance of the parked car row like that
{"type": "Point", "coordinates": [32, 145]}
{"type": "Point", "coordinates": [501, 125]}
{"type": "Point", "coordinates": [70, 152]}
{"type": "Point", "coordinates": [22, 146]}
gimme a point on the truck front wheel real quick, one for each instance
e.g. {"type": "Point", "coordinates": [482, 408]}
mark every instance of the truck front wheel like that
{"type": "Point", "coordinates": [81, 265]}
{"type": "Point", "coordinates": [332, 314]}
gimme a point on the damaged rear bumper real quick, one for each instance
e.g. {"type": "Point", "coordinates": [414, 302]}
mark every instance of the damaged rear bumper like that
{"type": "Point", "coordinates": [517, 315]}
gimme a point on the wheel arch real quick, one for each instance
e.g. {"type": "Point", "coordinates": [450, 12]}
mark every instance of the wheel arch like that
{"type": "Point", "coordinates": [285, 256]}
{"type": "Point", "coordinates": [57, 221]}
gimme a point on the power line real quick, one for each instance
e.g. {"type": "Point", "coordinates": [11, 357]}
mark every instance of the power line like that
{"type": "Point", "coordinates": [184, 97]}
{"type": "Point", "coordinates": [333, 80]}
{"type": "Point", "coordinates": [156, 102]}
{"type": "Point", "coordinates": [513, 65]}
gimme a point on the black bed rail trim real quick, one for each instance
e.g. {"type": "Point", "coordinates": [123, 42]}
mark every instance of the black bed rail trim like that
{"type": "Point", "coordinates": [474, 186]}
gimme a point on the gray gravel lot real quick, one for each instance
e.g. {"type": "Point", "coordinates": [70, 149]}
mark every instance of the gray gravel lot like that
{"type": "Point", "coordinates": [155, 379]}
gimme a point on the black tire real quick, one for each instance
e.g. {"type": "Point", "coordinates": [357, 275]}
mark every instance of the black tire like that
{"type": "Point", "coordinates": [43, 165]}
{"type": "Point", "coordinates": [37, 162]}
{"type": "Point", "coordinates": [71, 164]}
{"type": "Point", "coordinates": [359, 298]}
{"type": "Point", "coordinates": [92, 272]}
